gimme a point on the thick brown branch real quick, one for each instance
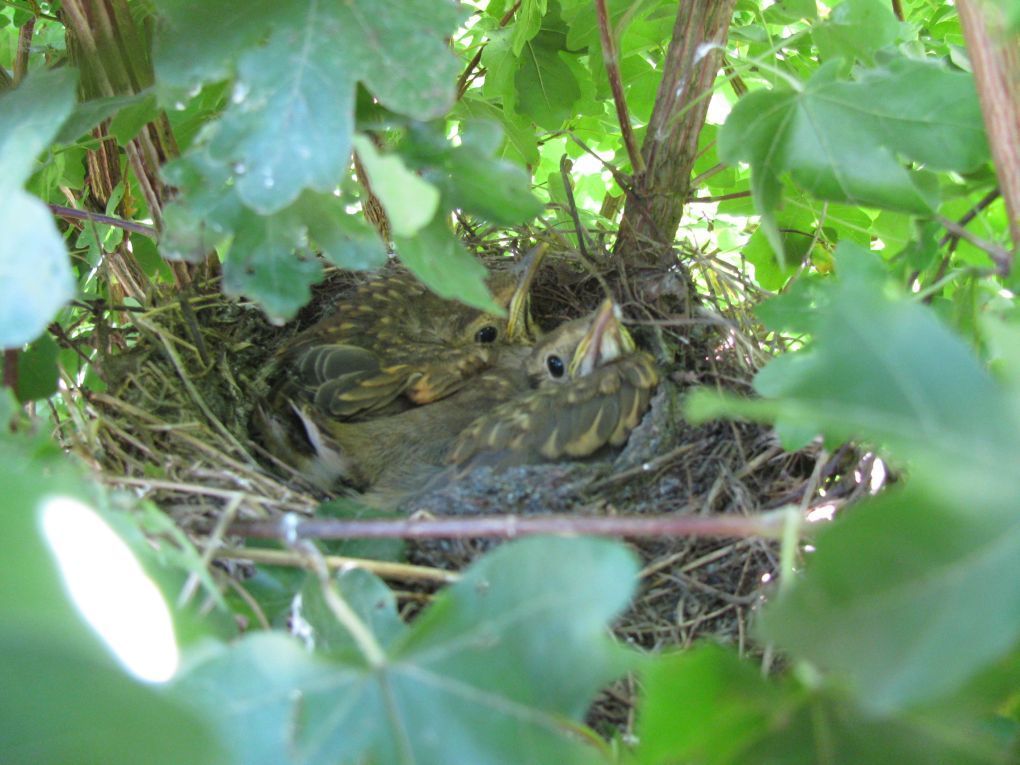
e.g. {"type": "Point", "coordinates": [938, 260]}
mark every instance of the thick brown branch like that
{"type": "Point", "coordinates": [671, 142]}
{"type": "Point", "coordinates": [292, 527]}
{"type": "Point", "coordinates": [995, 55]}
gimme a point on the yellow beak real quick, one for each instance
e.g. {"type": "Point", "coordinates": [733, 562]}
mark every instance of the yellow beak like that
{"type": "Point", "coordinates": [519, 327]}
{"type": "Point", "coordinates": [606, 340]}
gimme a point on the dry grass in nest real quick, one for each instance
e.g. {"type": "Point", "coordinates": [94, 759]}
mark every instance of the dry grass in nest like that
{"type": "Point", "coordinates": [173, 426]}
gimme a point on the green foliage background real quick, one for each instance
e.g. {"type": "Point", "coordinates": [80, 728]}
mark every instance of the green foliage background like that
{"type": "Point", "coordinates": [839, 141]}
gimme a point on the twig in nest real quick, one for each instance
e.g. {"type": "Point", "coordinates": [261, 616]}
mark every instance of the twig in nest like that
{"type": "Point", "coordinates": [226, 517]}
{"type": "Point", "coordinates": [193, 391]}
{"type": "Point", "coordinates": [646, 467]}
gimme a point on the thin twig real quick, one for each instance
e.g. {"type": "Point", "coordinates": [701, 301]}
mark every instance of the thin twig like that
{"type": "Point", "coordinates": [609, 55]}
{"type": "Point", "coordinates": [381, 568]}
{"type": "Point", "coordinates": [972, 213]}
{"type": "Point", "coordinates": [720, 198]}
{"type": "Point", "coordinates": [572, 206]}
{"type": "Point", "coordinates": [226, 517]}
{"type": "Point", "coordinates": [193, 391]}
{"type": "Point", "coordinates": [999, 255]}
{"type": "Point", "coordinates": [464, 80]}
{"type": "Point", "coordinates": [127, 225]}
{"type": "Point", "coordinates": [645, 468]}
{"type": "Point", "coordinates": [769, 525]}
{"type": "Point", "coordinates": [154, 484]}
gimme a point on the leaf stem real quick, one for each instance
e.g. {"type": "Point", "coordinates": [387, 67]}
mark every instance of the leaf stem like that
{"type": "Point", "coordinates": [370, 649]}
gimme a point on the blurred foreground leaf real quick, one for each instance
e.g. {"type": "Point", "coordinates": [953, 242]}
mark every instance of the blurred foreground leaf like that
{"type": "Point", "coordinates": [500, 668]}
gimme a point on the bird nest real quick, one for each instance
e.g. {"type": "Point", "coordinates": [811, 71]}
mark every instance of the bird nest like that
{"type": "Point", "coordinates": [180, 381]}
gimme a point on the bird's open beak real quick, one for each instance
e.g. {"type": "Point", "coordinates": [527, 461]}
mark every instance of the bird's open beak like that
{"type": "Point", "coordinates": [520, 327]}
{"type": "Point", "coordinates": [606, 340]}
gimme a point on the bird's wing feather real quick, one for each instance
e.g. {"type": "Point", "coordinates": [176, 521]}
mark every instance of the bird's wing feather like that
{"type": "Point", "coordinates": [573, 420]}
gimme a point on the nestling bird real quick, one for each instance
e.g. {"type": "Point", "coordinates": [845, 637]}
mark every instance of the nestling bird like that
{"type": "Point", "coordinates": [395, 344]}
{"type": "Point", "coordinates": [584, 386]}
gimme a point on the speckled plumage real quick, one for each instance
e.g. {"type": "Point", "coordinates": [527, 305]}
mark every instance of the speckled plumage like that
{"type": "Point", "coordinates": [527, 408]}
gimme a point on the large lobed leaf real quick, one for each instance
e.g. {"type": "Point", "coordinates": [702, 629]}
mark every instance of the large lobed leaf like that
{"type": "Point", "coordinates": [291, 118]}
{"type": "Point", "coordinates": [498, 670]}
{"type": "Point", "coordinates": [739, 717]}
{"type": "Point", "coordinates": [844, 140]}
{"type": "Point", "coordinates": [64, 698]}
{"type": "Point", "coordinates": [911, 595]}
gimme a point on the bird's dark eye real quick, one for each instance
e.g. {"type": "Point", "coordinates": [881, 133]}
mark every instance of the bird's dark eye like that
{"type": "Point", "coordinates": [486, 334]}
{"type": "Point", "coordinates": [555, 366]}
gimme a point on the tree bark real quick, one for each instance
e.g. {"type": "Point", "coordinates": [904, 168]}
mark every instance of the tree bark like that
{"type": "Point", "coordinates": [654, 208]}
{"type": "Point", "coordinates": [995, 55]}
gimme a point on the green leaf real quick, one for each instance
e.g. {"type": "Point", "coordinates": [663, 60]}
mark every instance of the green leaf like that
{"type": "Point", "coordinates": [500, 67]}
{"type": "Point", "coordinates": [35, 275]}
{"type": "Point", "coordinates": [291, 114]}
{"type": "Point", "coordinates": [373, 602]}
{"type": "Point", "coordinates": [493, 672]}
{"type": "Point", "coordinates": [88, 114]}
{"type": "Point", "coordinates": [263, 266]}
{"type": "Point", "coordinates": [707, 706]}
{"type": "Point", "coordinates": [788, 11]}
{"type": "Point", "coordinates": [545, 85]}
{"type": "Point", "coordinates": [856, 29]}
{"type": "Point", "coordinates": [61, 686]}
{"type": "Point", "coordinates": [467, 175]}
{"type": "Point", "coordinates": [200, 43]}
{"type": "Point", "coordinates": [32, 288]}
{"type": "Point", "coordinates": [374, 549]}
{"type": "Point", "coordinates": [915, 571]}
{"type": "Point", "coordinates": [527, 23]}
{"type": "Point", "coordinates": [37, 369]}
{"type": "Point", "coordinates": [520, 145]}
{"type": "Point", "coordinates": [58, 704]}
{"type": "Point", "coordinates": [410, 202]}
{"type": "Point", "coordinates": [909, 384]}
{"type": "Point", "coordinates": [205, 213]}
{"type": "Point", "coordinates": [769, 272]}
{"type": "Point", "coordinates": [346, 240]}
{"type": "Point", "coordinates": [583, 25]}
{"type": "Point", "coordinates": [841, 141]}
{"type": "Point", "coordinates": [916, 576]}
{"type": "Point", "coordinates": [438, 258]}
{"type": "Point", "coordinates": [793, 310]}
{"type": "Point", "coordinates": [30, 117]}
{"type": "Point", "coordinates": [735, 707]}
{"type": "Point", "coordinates": [131, 118]}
